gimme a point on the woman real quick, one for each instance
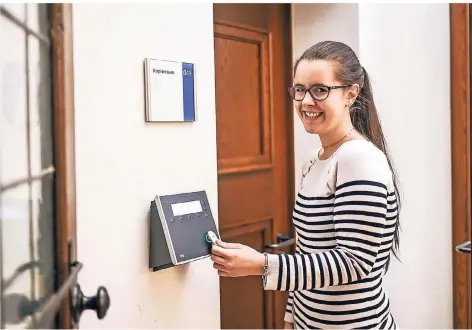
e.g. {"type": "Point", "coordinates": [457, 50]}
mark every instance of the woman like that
{"type": "Point", "coordinates": [346, 212]}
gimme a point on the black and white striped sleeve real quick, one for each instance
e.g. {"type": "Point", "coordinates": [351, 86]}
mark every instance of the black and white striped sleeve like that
{"type": "Point", "coordinates": [359, 216]}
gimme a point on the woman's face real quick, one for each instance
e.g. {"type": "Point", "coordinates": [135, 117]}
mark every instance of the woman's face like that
{"type": "Point", "coordinates": [332, 113]}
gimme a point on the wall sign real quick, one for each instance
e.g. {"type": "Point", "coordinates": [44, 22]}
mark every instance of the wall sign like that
{"type": "Point", "coordinates": [169, 90]}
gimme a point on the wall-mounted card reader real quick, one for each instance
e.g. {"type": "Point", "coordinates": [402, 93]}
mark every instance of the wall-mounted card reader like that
{"type": "Point", "coordinates": [182, 229]}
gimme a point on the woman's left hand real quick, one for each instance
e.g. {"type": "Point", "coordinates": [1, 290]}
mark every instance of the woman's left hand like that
{"type": "Point", "coordinates": [234, 260]}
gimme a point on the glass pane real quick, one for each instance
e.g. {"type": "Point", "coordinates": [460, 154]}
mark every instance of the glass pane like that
{"type": "Point", "coordinates": [41, 155]}
{"type": "Point", "coordinates": [41, 144]}
{"type": "Point", "coordinates": [16, 9]}
{"type": "Point", "coordinates": [27, 211]}
{"type": "Point", "coordinates": [13, 153]}
{"type": "Point", "coordinates": [38, 18]}
{"type": "Point", "coordinates": [16, 252]}
{"type": "Point", "coordinates": [43, 238]}
{"type": "Point", "coordinates": [27, 249]}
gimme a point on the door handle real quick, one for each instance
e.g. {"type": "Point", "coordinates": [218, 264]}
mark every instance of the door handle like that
{"type": "Point", "coordinates": [44, 317]}
{"type": "Point", "coordinates": [464, 247]}
{"type": "Point", "coordinates": [282, 241]}
{"type": "Point", "coordinates": [44, 314]}
{"type": "Point", "coordinates": [100, 303]}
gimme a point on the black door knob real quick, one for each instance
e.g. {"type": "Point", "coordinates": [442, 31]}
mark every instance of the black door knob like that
{"type": "Point", "coordinates": [99, 303]}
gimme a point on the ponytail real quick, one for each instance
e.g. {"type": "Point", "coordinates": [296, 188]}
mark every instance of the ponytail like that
{"type": "Point", "coordinates": [366, 121]}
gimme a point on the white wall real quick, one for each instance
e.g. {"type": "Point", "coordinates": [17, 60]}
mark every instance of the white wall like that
{"type": "Point", "coordinates": [409, 66]}
{"type": "Point", "coordinates": [416, 119]}
{"type": "Point", "coordinates": [122, 162]}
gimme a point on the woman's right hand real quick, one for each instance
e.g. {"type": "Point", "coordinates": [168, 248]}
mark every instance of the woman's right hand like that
{"type": "Point", "coordinates": [288, 325]}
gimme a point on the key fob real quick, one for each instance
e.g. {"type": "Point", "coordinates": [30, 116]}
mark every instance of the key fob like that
{"type": "Point", "coordinates": [211, 237]}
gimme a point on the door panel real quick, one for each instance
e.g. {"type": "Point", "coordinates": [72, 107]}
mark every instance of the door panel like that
{"type": "Point", "coordinates": [243, 59]}
{"type": "Point", "coordinates": [255, 147]}
{"type": "Point", "coordinates": [248, 198]}
{"type": "Point", "coordinates": [236, 290]}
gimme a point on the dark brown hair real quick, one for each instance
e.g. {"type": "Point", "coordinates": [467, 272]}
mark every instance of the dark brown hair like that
{"type": "Point", "coordinates": [364, 115]}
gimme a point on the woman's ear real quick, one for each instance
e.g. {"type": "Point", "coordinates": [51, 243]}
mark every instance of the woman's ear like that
{"type": "Point", "coordinates": [352, 94]}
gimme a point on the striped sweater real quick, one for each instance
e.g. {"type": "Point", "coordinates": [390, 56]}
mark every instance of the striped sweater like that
{"type": "Point", "coordinates": [345, 216]}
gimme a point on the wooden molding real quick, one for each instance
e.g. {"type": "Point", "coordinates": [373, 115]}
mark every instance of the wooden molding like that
{"type": "Point", "coordinates": [460, 153]}
{"type": "Point", "coordinates": [64, 137]}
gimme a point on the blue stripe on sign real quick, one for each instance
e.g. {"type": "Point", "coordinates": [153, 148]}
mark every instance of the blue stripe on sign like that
{"type": "Point", "coordinates": [189, 91]}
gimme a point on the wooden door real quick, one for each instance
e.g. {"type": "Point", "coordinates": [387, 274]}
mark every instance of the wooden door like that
{"type": "Point", "coordinates": [38, 266]}
{"type": "Point", "coordinates": [461, 160]}
{"type": "Point", "coordinates": [254, 120]}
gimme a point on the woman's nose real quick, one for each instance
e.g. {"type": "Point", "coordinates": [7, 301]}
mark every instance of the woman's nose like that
{"type": "Point", "coordinates": [308, 100]}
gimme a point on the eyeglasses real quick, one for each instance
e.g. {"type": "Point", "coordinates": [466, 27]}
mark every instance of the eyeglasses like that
{"type": "Point", "coordinates": [317, 92]}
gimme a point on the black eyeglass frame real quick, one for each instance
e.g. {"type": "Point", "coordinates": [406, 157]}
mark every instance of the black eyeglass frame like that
{"type": "Point", "coordinates": [292, 92]}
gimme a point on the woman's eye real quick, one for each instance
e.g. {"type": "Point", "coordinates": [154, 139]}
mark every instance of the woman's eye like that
{"type": "Point", "coordinates": [319, 90]}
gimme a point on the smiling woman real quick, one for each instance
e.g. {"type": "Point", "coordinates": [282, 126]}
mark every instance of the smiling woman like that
{"type": "Point", "coordinates": [346, 212]}
{"type": "Point", "coordinates": [319, 113]}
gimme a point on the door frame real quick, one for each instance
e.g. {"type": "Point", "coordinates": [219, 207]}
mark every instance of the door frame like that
{"type": "Point", "coordinates": [460, 157]}
{"type": "Point", "coordinates": [60, 15]}
{"type": "Point", "coordinates": [280, 299]}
